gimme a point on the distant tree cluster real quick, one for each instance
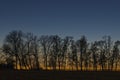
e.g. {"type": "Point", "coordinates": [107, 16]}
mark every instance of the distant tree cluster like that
{"type": "Point", "coordinates": [27, 51]}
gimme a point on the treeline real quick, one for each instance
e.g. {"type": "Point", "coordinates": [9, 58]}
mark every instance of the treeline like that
{"type": "Point", "coordinates": [27, 51]}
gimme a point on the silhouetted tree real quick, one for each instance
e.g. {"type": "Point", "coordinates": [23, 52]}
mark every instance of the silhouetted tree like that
{"type": "Point", "coordinates": [35, 46]}
{"type": "Point", "coordinates": [55, 50]}
{"type": "Point", "coordinates": [46, 43]}
{"type": "Point", "coordinates": [28, 50]}
{"type": "Point", "coordinates": [21, 50]}
{"type": "Point", "coordinates": [107, 50]}
{"type": "Point", "coordinates": [65, 46]}
{"type": "Point", "coordinates": [102, 55]}
{"type": "Point", "coordinates": [74, 54]}
{"type": "Point", "coordinates": [115, 55]}
{"type": "Point", "coordinates": [86, 57]}
{"type": "Point", "coordinates": [82, 44]}
{"type": "Point", "coordinates": [94, 51]}
{"type": "Point", "coordinates": [12, 45]}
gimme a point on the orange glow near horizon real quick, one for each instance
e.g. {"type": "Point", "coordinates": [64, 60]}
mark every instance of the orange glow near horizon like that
{"type": "Point", "coordinates": [69, 68]}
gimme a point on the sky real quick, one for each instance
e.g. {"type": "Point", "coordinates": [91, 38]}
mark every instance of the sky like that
{"type": "Point", "coordinates": [92, 18]}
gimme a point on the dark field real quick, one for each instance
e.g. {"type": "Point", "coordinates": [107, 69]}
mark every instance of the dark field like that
{"type": "Point", "coordinates": [58, 75]}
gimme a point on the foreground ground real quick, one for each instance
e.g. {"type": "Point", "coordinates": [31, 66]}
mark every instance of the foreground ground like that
{"type": "Point", "coordinates": [58, 75]}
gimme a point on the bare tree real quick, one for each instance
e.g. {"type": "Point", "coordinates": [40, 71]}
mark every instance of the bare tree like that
{"type": "Point", "coordinates": [65, 46]}
{"type": "Point", "coordinates": [35, 46]}
{"type": "Point", "coordinates": [12, 45]}
{"type": "Point", "coordinates": [23, 50]}
{"type": "Point", "coordinates": [115, 55]}
{"type": "Point", "coordinates": [94, 50]}
{"type": "Point", "coordinates": [55, 51]}
{"type": "Point", "coordinates": [46, 42]}
{"type": "Point", "coordinates": [82, 44]}
{"type": "Point", "coordinates": [102, 55]}
{"type": "Point", "coordinates": [74, 56]}
{"type": "Point", "coordinates": [107, 50]}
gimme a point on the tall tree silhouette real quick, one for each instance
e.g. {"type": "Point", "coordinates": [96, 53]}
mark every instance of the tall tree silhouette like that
{"type": "Point", "coordinates": [86, 57]}
{"type": "Point", "coordinates": [55, 51]}
{"type": "Point", "coordinates": [107, 50]}
{"type": "Point", "coordinates": [46, 43]}
{"type": "Point", "coordinates": [74, 54]}
{"type": "Point", "coordinates": [35, 47]}
{"type": "Point", "coordinates": [115, 55]}
{"type": "Point", "coordinates": [28, 49]}
{"type": "Point", "coordinates": [66, 44]}
{"type": "Point", "coordinates": [12, 45]}
{"type": "Point", "coordinates": [94, 51]}
{"type": "Point", "coordinates": [82, 44]}
{"type": "Point", "coordinates": [102, 55]}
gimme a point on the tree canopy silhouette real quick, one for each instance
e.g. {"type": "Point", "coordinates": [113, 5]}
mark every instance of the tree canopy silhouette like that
{"type": "Point", "coordinates": [27, 51]}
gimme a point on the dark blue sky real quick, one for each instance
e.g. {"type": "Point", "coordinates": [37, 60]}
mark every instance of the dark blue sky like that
{"type": "Point", "coordinates": [93, 18]}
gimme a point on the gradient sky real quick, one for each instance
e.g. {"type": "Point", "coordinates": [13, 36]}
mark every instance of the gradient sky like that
{"type": "Point", "coordinates": [93, 18]}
